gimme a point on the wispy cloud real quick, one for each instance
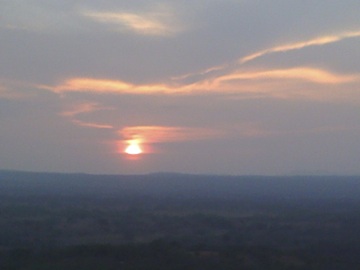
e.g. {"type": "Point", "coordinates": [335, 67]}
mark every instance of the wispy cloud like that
{"type": "Point", "coordinates": [147, 136]}
{"type": "Point", "coordinates": [159, 134]}
{"type": "Point", "coordinates": [16, 89]}
{"type": "Point", "coordinates": [234, 78]}
{"type": "Point", "coordinates": [300, 73]}
{"type": "Point", "coordinates": [91, 124]}
{"type": "Point", "coordinates": [268, 82]}
{"type": "Point", "coordinates": [83, 108]}
{"type": "Point", "coordinates": [6, 94]}
{"type": "Point", "coordinates": [228, 68]}
{"type": "Point", "coordinates": [15, 27]}
{"type": "Point", "coordinates": [305, 83]}
{"type": "Point", "coordinates": [317, 41]}
{"type": "Point", "coordinates": [106, 86]}
{"type": "Point", "coordinates": [157, 22]}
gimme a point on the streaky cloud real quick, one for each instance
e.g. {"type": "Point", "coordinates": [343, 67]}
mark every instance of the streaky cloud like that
{"type": "Point", "coordinates": [101, 86]}
{"type": "Point", "coordinates": [83, 108]}
{"type": "Point", "coordinates": [6, 94]}
{"type": "Point", "coordinates": [10, 89]}
{"type": "Point", "coordinates": [228, 68]}
{"type": "Point", "coordinates": [160, 22]}
{"type": "Point", "coordinates": [317, 41]}
{"type": "Point", "coordinates": [160, 134]}
{"type": "Point", "coordinates": [299, 73]}
{"type": "Point", "coordinates": [91, 124]}
{"type": "Point", "coordinates": [266, 82]}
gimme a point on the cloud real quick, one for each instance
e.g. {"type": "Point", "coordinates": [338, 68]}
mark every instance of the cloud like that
{"type": "Point", "coordinates": [227, 68]}
{"type": "Point", "coordinates": [158, 22]}
{"type": "Point", "coordinates": [106, 86]}
{"type": "Point", "coordinates": [287, 83]}
{"type": "Point", "coordinates": [234, 78]}
{"type": "Point", "coordinates": [16, 90]}
{"type": "Point", "coordinates": [6, 94]}
{"type": "Point", "coordinates": [160, 134]}
{"type": "Point", "coordinates": [317, 41]}
{"type": "Point", "coordinates": [91, 124]}
{"type": "Point", "coordinates": [147, 136]}
{"type": "Point", "coordinates": [300, 73]}
{"type": "Point", "coordinates": [83, 108]}
{"type": "Point", "coordinates": [279, 83]}
{"type": "Point", "coordinates": [303, 83]}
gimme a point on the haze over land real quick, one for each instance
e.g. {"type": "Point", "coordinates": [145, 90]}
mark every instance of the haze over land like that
{"type": "Point", "coordinates": [215, 87]}
{"type": "Point", "coordinates": [178, 221]}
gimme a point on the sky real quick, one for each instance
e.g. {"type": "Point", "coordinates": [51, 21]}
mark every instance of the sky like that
{"type": "Point", "coordinates": [234, 87]}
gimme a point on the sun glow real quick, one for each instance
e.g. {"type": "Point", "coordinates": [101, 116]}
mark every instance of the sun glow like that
{"type": "Point", "coordinates": [133, 148]}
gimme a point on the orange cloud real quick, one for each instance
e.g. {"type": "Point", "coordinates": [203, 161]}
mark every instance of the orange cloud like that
{"type": "Point", "coordinates": [83, 108]}
{"type": "Point", "coordinates": [278, 83]}
{"type": "Point", "coordinates": [159, 22]}
{"type": "Point", "coordinates": [301, 73]}
{"type": "Point", "coordinates": [91, 125]}
{"type": "Point", "coordinates": [317, 41]}
{"type": "Point", "coordinates": [145, 136]}
{"type": "Point", "coordinates": [106, 86]}
{"type": "Point", "coordinates": [158, 134]}
{"type": "Point", "coordinates": [16, 90]}
{"type": "Point", "coordinates": [293, 83]}
{"type": "Point", "coordinates": [230, 67]}
{"type": "Point", "coordinates": [6, 94]}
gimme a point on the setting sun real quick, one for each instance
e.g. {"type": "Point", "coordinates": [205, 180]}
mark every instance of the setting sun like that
{"type": "Point", "coordinates": [133, 148]}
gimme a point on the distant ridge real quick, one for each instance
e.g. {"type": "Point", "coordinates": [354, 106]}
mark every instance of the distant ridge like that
{"type": "Point", "coordinates": [166, 173]}
{"type": "Point", "coordinates": [182, 185]}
